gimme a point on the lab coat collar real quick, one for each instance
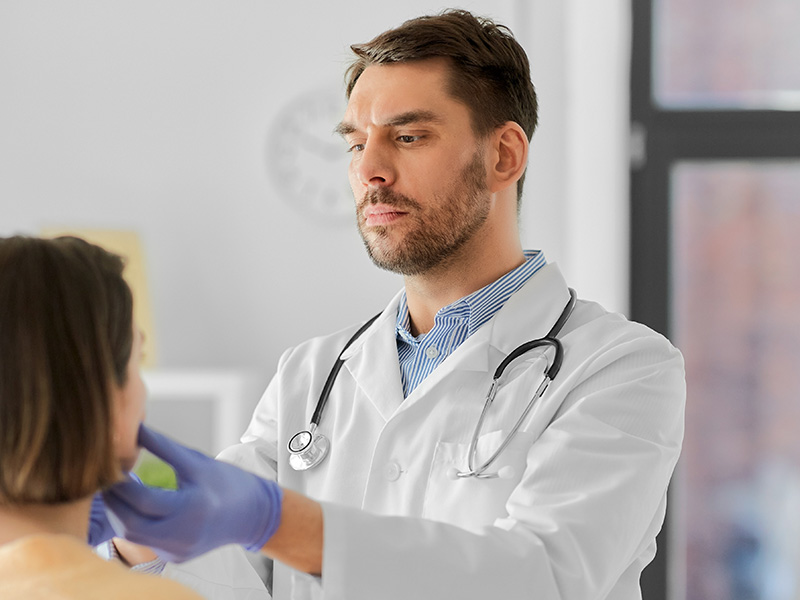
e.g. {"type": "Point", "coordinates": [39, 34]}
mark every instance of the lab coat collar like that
{"type": "Point", "coordinates": [532, 311]}
{"type": "Point", "coordinates": [529, 314]}
{"type": "Point", "coordinates": [372, 361]}
{"type": "Point", "coordinates": [389, 315]}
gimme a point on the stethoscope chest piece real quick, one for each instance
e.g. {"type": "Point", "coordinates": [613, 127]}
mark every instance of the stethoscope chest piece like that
{"type": "Point", "coordinates": [307, 449]}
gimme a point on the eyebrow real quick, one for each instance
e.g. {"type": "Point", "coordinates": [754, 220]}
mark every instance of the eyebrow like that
{"type": "Point", "coordinates": [406, 118]}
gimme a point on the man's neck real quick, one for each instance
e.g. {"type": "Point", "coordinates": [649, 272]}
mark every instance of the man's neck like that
{"type": "Point", "coordinates": [21, 521]}
{"type": "Point", "coordinates": [429, 292]}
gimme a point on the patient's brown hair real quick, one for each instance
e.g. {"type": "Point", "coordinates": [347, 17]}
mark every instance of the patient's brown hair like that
{"type": "Point", "coordinates": [66, 334]}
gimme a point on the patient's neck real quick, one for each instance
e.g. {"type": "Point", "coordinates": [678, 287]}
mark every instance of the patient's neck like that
{"type": "Point", "coordinates": [69, 518]}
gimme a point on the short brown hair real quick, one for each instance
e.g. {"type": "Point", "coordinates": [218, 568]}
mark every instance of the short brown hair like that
{"type": "Point", "coordinates": [490, 72]}
{"type": "Point", "coordinates": [66, 334]}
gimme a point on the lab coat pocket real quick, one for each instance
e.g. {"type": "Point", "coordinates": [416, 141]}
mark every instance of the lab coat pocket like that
{"type": "Point", "coordinates": [471, 502]}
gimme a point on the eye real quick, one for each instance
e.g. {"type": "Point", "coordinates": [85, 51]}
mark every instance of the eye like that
{"type": "Point", "coordinates": [356, 148]}
{"type": "Point", "coordinates": [408, 139]}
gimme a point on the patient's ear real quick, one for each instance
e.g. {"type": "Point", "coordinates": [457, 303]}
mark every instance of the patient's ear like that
{"type": "Point", "coordinates": [509, 156]}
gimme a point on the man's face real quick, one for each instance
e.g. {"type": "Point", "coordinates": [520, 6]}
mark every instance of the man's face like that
{"type": "Point", "coordinates": [417, 170]}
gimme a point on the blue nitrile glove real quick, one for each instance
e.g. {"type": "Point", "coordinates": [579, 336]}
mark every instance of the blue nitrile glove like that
{"type": "Point", "coordinates": [215, 504]}
{"type": "Point", "coordinates": [100, 529]}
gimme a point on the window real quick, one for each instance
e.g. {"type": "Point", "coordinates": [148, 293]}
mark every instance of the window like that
{"type": "Point", "coordinates": [715, 265]}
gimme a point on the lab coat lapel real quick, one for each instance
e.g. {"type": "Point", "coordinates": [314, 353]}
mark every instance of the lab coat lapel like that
{"type": "Point", "coordinates": [528, 314]}
{"type": "Point", "coordinates": [372, 361]}
{"type": "Point", "coordinates": [531, 312]}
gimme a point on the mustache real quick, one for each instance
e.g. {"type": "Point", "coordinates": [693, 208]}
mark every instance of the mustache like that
{"type": "Point", "coordinates": [389, 198]}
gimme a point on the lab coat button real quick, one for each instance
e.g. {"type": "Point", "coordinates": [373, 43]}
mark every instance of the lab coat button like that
{"type": "Point", "coordinates": [392, 471]}
{"type": "Point", "coordinates": [432, 352]}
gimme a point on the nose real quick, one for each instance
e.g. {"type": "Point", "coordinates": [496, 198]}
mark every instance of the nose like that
{"type": "Point", "coordinates": [373, 165]}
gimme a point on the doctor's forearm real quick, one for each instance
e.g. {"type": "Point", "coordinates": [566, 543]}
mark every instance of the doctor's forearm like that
{"type": "Point", "coordinates": [298, 539]}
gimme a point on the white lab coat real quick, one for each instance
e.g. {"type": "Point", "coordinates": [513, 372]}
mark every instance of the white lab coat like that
{"type": "Point", "coordinates": [579, 516]}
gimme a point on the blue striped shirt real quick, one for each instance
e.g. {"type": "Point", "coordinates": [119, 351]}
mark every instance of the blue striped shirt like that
{"type": "Point", "coordinates": [454, 323]}
{"type": "Point", "coordinates": [108, 551]}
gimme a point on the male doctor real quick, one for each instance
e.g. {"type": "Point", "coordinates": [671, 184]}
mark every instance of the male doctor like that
{"type": "Point", "coordinates": [440, 114]}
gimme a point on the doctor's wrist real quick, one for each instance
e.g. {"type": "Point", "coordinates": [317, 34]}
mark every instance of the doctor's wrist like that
{"type": "Point", "coordinates": [298, 540]}
{"type": "Point", "coordinates": [268, 505]}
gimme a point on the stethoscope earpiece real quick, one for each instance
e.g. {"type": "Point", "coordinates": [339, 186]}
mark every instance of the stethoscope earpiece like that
{"type": "Point", "coordinates": [506, 472]}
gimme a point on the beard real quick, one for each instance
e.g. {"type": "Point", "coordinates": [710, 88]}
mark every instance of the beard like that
{"type": "Point", "coordinates": [434, 235]}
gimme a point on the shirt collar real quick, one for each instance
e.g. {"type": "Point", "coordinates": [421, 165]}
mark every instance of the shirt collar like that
{"type": "Point", "coordinates": [479, 306]}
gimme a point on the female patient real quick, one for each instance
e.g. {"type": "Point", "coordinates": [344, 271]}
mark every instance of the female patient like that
{"type": "Point", "coordinates": [71, 401]}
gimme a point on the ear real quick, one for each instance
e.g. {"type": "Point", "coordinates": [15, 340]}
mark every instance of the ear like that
{"type": "Point", "coordinates": [509, 156]}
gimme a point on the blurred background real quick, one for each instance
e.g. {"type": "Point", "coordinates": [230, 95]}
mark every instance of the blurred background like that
{"type": "Point", "coordinates": [715, 264]}
{"type": "Point", "coordinates": [195, 137]}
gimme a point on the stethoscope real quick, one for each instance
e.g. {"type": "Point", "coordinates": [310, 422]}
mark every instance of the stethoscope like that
{"type": "Point", "coordinates": [308, 448]}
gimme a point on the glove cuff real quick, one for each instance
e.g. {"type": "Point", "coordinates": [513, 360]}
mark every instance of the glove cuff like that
{"type": "Point", "coordinates": [272, 505]}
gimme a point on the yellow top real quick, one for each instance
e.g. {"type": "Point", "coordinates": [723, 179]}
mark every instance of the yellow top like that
{"type": "Point", "coordinates": [40, 567]}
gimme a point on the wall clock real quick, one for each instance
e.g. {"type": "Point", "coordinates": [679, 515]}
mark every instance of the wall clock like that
{"type": "Point", "coordinates": [307, 161]}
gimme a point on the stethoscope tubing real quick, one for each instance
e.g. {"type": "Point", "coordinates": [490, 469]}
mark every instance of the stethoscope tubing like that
{"type": "Point", "coordinates": [308, 455]}
{"type": "Point", "coordinates": [307, 448]}
{"type": "Point", "coordinates": [326, 389]}
{"type": "Point", "coordinates": [552, 371]}
{"type": "Point", "coordinates": [480, 472]}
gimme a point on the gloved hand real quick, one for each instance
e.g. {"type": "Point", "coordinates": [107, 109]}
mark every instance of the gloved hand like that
{"type": "Point", "coordinates": [100, 529]}
{"type": "Point", "coordinates": [215, 504]}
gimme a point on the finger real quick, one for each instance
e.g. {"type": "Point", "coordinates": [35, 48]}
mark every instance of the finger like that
{"type": "Point", "coordinates": [136, 532]}
{"type": "Point", "coordinates": [186, 462]}
{"type": "Point", "coordinates": [100, 528]}
{"type": "Point", "coordinates": [131, 497]}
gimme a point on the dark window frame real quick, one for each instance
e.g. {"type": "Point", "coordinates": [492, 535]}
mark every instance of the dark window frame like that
{"type": "Point", "coordinates": [662, 137]}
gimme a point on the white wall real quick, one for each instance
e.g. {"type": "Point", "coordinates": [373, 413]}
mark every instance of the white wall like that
{"type": "Point", "coordinates": [175, 118]}
{"type": "Point", "coordinates": [596, 249]}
